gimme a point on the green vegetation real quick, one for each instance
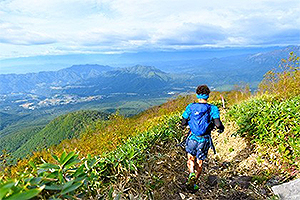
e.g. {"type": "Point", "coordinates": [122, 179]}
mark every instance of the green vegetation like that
{"type": "Point", "coordinates": [7, 119]}
{"type": "Point", "coordinates": [268, 121]}
{"type": "Point", "coordinates": [14, 141]}
{"type": "Point", "coordinates": [271, 120]}
{"type": "Point", "coordinates": [71, 178]}
{"type": "Point", "coordinates": [283, 82]}
{"type": "Point", "coordinates": [25, 126]}
{"type": "Point", "coordinates": [108, 151]}
{"type": "Point", "coordinates": [63, 127]}
{"type": "Point", "coordinates": [24, 121]}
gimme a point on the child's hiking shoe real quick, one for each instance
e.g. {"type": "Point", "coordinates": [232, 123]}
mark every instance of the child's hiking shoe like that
{"type": "Point", "coordinates": [196, 187]}
{"type": "Point", "coordinates": [191, 180]}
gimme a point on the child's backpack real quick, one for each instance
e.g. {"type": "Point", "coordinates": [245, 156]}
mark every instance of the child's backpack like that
{"type": "Point", "coordinates": [199, 118]}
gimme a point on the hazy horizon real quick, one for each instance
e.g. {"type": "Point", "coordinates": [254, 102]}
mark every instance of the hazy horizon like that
{"type": "Point", "coordinates": [32, 64]}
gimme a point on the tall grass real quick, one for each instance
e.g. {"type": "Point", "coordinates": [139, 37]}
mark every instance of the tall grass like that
{"type": "Point", "coordinates": [284, 81]}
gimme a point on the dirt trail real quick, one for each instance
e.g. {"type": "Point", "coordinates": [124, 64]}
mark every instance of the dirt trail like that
{"type": "Point", "coordinates": [227, 175]}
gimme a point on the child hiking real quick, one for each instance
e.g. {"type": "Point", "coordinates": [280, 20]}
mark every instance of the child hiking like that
{"type": "Point", "coordinates": [201, 118]}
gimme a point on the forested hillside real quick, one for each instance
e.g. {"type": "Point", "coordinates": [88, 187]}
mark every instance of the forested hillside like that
{"type": "Point", "coordinates": [67, 126]}
{"type": "Point", "coordinates": [137, 157]}
{"type": "Point", "coordinates": [19, 128]}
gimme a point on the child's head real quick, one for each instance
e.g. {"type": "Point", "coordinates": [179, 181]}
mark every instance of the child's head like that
{"type": "Point", "coordinates": [203, 89]}
{"type": "Point", "coordinates": [202, 92]}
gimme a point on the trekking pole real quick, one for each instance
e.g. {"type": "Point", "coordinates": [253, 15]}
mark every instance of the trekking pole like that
{"type": "Point", "coordinates": [182, 143]}
{"type": "Point", "coordinates": [223, 101]}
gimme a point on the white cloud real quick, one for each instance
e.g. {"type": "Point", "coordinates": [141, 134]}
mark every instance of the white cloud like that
{"type": "Point", "coordinates": [67, 26]}
{"type": "Point", "coordinates": [15, 35]}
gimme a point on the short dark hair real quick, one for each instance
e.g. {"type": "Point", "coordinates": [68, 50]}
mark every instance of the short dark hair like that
{"type": "Point", "coordinates": [202, 89]}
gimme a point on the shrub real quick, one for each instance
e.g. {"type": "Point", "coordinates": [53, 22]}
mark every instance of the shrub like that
{"type": "Point", "coordinates": [269, 121]}
{"type": "Point", "coordinates": [283, 82]}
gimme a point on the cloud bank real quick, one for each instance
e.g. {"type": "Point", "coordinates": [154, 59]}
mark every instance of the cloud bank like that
{"type": "Point", "coordinates": [34, 27]}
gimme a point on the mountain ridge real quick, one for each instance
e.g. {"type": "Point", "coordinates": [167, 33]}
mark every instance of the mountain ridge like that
{"type": "Point", "coordinates": [233, 69]}
{"type": "Point", "coordinates": [56, 62]}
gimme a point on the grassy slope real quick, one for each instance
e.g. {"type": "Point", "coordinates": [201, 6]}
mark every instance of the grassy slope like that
{"type": "Point", "coordinates": [19, 128]}
{"type": "Point", "coordinates": [165, 166]}
{"type": "Point", "coordinates": [270, 122]}
{"type": "Point", "coordinates": [63, 127]}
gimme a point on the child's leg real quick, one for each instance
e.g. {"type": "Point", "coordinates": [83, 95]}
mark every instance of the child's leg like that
{"type": "Point", "coordinates": [191, 163]}
{"type": "Point", "coordinates": [198, 167]}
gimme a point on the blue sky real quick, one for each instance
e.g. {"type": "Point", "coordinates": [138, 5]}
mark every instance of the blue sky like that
{"type": "Point", "coordinates": [54, 27]}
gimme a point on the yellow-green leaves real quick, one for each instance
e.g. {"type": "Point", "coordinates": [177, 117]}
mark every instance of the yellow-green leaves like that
{"type": "Point", "coordinates": [269, 121]}
{"type": "Point", "coordinates": [4, 189]}
{"type": "Point", "coordinates": [283, 82]}
{"type": "Point", "coordinates": [12, 190]}
{"type": "Point", "coordinates": [24, 195]}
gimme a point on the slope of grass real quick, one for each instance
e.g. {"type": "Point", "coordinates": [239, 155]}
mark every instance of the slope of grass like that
{"type": "Point", "coordinates": [270, 120]}
{"type": "Point", "coordinates": [91, 175]}
{"type": "Point", "coordinates": [145, 166]}
{"type": "Point", "coordinates": [274, 124]}
{"type": "Point", "coordinates": [63, 127]}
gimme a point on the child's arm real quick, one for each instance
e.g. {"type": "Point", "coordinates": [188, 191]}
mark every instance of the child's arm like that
{"type": "Point", "coordinates": [215, 114]}
{"type": "Point", "coordinates": [219, 125]}
{"type": "Point", "coordinates": [185, 117]}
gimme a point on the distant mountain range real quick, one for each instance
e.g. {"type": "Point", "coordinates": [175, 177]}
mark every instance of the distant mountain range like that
{"type": "Point", "coordinates": [157, 58]}
{"type": "Point", "coordinates": [40, 82]}
{"type": "Point", "coordinates": [136, 79]}
{"type": "Point", "coordinates": [85, 80]}
{"type": "Point", "coordinates": [248, 64]}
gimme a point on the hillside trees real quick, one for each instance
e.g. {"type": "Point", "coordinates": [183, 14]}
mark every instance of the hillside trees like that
{"type": "Point", "coordinates": [284, 81]}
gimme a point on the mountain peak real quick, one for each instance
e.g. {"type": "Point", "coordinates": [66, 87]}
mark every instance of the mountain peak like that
{"type": "Point", "coordinates": [142, 70]}
{"type": "Point", "coordinates": [276, 55]}
{"type": "Point", "coordinates": [89, 67]}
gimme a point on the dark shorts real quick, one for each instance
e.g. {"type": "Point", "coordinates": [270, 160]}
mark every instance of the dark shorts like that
{"type": "Point", "coordinates": [198, 148]}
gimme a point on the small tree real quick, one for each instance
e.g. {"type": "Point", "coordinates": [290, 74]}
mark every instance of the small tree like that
{"type": "Point", "coordinates": [284, 81]}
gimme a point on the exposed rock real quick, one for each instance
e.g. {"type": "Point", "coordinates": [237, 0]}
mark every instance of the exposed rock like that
{"type": "Point", "coordinates": [242, 181]}
{"type": "Point", "coordinates": [212, 180]}
{"type": "Point", "coordinates": [182, 196]}
{"type": "Point", "coordinates": [288, 191]}
{"type": "Point", "coordinates": [273, 181]}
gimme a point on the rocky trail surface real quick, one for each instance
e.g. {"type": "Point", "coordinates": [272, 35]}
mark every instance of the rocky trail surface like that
{"type": "Point", "coordinates": [230, 174]}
